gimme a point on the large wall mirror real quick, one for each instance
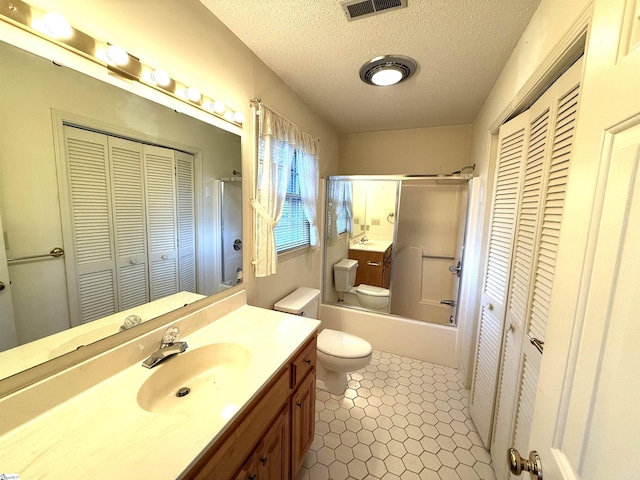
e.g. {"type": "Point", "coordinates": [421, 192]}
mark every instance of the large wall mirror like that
{"type": "Point", "coordinates": [145, 202]}
{"type": "Point", "coordinates": [395, 245]}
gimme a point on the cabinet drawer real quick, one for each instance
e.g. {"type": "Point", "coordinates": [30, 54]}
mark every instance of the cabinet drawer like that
{"type": "Point", "coordinates": [303, 362]}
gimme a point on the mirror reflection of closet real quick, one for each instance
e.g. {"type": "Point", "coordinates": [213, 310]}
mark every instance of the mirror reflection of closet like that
{"type": "Point", "coordinates": [46, 295]}
{"type": "Point", "coordinates": [408, 251]}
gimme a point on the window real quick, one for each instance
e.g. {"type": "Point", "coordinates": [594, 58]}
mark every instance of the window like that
{"type": "Point", "coordinates": [292, 230]}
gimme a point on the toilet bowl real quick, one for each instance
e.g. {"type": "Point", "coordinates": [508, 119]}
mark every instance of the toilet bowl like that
{"type": "Point", "coordinates": [374, 298]}
{"type": "Point", "coordinates": [368, 296]}
{"type": "Point", "coordinates": [338, 352]}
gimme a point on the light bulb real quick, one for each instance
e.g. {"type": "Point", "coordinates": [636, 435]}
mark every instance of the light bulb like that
{"type": "Point", "coordinates": [219, 107]}
{"type": "Point", "coordinates": [228, 116]}
{"type": "Point", "coordinates": [56, 25]}
{"type": "Point", "coordinates": [194, 94]}
{"type": "Point", "coordinates": [387, 76]}
{"type": "Point", "coordinates": [238, 117]}
{"type": "Point", "coordinates": [117, 55]}
{"type": "Point", "coordinates": [160, 77]}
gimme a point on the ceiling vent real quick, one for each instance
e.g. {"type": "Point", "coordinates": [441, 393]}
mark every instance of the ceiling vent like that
{"type": "Point", "coordinates": [355, 9]}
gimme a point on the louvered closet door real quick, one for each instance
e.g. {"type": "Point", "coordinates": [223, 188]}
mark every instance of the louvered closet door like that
{"type": "Point", "coordinates": [161, 221]}
{"type": "Point", "coordinates": [537, 236]}
{"type": "Point", "coordinates": [513, 144]}
{"type": "Point", "coordinates": [186, 222]}
{"type": "Point", "coordinates": [92, 273]}
{"type": "Point", "coordinates": [127, 177]}
{"type": "Point", "coordinates": [527, 221]}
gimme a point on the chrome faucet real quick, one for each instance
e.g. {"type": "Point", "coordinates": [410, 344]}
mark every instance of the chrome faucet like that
{"type": "Point", "coordinates": [168, 348]}
{"type": "Point", "coordinates": [363, 239]}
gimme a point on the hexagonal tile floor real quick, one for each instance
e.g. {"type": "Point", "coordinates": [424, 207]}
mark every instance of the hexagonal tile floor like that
{"type": "Point", "coordinates": [399, 419]}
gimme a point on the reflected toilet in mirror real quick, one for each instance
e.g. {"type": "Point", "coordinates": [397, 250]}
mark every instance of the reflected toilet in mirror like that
{"type": "Point", "coordinates": [363, 295]}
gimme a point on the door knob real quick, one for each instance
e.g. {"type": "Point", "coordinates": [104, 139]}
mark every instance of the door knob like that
{"type": "Point", "coordinates": [517, 464]}
{"type": "Point", "coordinates": [2, 286]}
{"type": "Point", "coordinates": [457, 270]}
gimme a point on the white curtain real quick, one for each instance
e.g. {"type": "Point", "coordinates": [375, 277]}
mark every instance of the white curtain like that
{"type": "Point", "coordinates": [278, 139]}
{"type": "Point", "coordinates": [335, 193]}
{"type": "Point", "coordinates": [348, 205]}
{"type": "Point", "coordinates": [308, 177]}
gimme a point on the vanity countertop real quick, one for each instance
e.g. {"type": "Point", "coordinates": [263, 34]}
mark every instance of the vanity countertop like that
{"type": "Point", "coordinates": [104, 433]}
{"type": "Point", "coordinates": [372, 245]}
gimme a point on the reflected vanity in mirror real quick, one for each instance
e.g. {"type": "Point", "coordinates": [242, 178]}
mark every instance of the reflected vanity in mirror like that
{"type": "Point", "coordinates": [395, 244]}
{"type": "Point", "coordinates": [145, 202]}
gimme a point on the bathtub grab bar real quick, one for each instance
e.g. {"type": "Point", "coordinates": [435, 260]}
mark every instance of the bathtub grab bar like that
{"type": "Point", "coordinates": [437, 257]}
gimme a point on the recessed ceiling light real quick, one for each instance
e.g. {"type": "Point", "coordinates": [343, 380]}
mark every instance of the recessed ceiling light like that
{"type": "Point", "coordinates": [387, 70]}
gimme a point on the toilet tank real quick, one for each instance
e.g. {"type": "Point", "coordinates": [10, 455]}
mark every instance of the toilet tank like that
{"type": "Point", "coordinates": [304, 302]}
{"type": "Point", "coordinates": [344, 274]}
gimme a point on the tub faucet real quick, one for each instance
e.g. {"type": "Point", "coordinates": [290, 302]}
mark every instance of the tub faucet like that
{"type": "Point", "coordinates": [168, 348]}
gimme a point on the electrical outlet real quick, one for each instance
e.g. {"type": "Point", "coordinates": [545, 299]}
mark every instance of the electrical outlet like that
{"type": "Point", "coordinates": [362, 227]}
{"type": "Point", "coordinates": [367, 228]}
{"type": "Point", "coordinates": [375, 221]}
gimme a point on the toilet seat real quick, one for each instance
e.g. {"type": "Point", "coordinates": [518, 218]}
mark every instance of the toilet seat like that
{"type": "Point", "coordinates": [342, 345]}
{"type": "Point", "coordinates": [372, 291]}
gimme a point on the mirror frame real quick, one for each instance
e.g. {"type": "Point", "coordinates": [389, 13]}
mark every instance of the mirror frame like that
{"type": "Point", "coordinates": [48, 49]}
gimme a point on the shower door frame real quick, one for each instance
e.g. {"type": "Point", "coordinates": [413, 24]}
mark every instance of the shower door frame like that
{"type": "Point", "coordinates": [445, 179]}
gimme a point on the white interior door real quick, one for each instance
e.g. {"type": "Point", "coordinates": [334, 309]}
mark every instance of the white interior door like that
{"type": "Point", "coordinates": [8, 338]}
{"type": "Point", "coordinates": [586, 423]}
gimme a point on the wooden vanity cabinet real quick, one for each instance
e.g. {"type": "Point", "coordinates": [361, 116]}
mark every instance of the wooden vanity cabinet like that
{"type": "Point", "coordinates": [270, 439]}
{"type": "Point", "coordinates": [374, 268]}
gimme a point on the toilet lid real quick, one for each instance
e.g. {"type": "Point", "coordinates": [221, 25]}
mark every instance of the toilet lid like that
{"type": "Point", "coordinates": [372, 291]}
{"type": "Point", "coordinates": [341, 344]}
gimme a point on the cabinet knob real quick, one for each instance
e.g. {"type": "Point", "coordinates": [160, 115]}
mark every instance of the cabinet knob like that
{"type": "Point", "coordinates": [308, 361]}
{"type": "Point", "coordinates": [263, 460]}
{"type": "Point", "coordinates": [252, 477]}
{"type": "Point", "coordinates": [299, 404]}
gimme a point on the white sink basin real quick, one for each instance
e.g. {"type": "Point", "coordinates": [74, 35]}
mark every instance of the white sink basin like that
{"type": "Point", "coordinates": [201, 371]}
{"type": "Point", "coordinates": [372, 245]}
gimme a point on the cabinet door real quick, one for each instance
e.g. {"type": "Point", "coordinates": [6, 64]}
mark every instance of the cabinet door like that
{"type": "Point", "coordinates": [247, 471]}
{"type": "Point", "coordinates": [272, 456]}
{"type": "Point", "coordinates": [369, 269]}
{"type": "Point", "coordinates": [303, 420]}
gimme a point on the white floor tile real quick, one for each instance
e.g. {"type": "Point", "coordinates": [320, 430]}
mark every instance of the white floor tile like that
{"type": "Point", "coordinates": [399, 419]}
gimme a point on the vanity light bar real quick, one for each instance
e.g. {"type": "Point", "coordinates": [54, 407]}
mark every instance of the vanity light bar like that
{"type": "Point", "coordinates": [55, 28]}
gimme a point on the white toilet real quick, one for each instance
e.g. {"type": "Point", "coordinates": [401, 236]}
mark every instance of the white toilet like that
{"type": "Point", "coordinates": [338, 352]}
{"type": "Point", "coordinates": [368, 296]}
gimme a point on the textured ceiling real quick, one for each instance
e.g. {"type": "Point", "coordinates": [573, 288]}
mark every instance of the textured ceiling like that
{"type": "Point", "coordinates": [460, 46]}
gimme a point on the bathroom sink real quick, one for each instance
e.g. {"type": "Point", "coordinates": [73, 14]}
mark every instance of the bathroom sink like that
{"type": "Point", "coordinates": [179, 379]}
{"type": "Point", "coordinates": [372, 245]}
